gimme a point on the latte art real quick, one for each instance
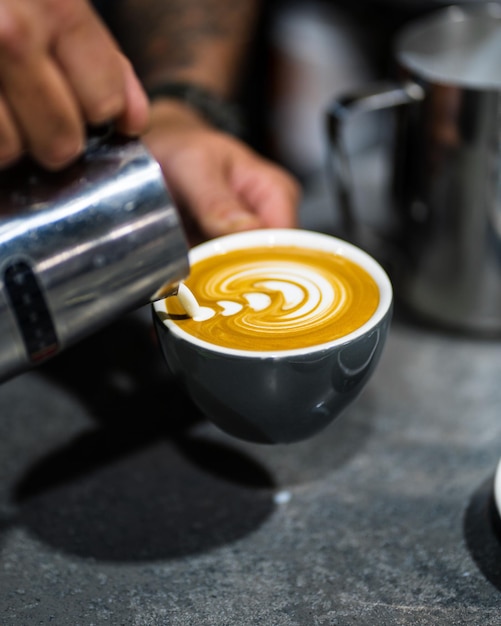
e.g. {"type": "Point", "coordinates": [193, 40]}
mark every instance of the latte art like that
{"type": "Point", "coordinates": [276, 298]}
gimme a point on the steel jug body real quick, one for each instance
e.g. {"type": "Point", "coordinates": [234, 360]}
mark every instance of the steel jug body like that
{"type": "Point", "coordinates": [79, 248]}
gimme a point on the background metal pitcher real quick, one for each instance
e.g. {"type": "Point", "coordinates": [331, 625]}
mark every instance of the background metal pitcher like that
{"type": "Point", "coordinates": [446, 249]}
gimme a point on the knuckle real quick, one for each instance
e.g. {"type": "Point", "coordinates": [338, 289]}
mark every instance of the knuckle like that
{"type": "Point", "coordinates": [16, 33]}
{"type": "Point", "coordinates": [55, 160]}
{"type": "Point", "coordinates": [10, 145]}
{"type": "Point", "coordinates": [74, 18]}
{"type": "Point", "coordinates": [58, 150]}
{"type": "Point", "coordinates": [66, 15]}
{"type": "Point", "coordinates": [106, 108]}
{"type": "Point", "coordinates": [10, 151]}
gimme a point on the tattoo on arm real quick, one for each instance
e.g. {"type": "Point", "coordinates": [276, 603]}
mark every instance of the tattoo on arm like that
{"type": "Point", "coordinates": [172, 32]}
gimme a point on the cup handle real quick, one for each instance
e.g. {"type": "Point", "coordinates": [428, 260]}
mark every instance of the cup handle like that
{"type": "Point", "coordinates": [369, 99]}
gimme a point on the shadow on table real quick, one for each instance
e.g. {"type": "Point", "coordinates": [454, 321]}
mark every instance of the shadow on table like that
{"type": "Point", "coordinates": [139, 485]}
{"type": "Point", "coordinates": [482, 532]}
{"type": "Point", "coordinates": [149, 481]}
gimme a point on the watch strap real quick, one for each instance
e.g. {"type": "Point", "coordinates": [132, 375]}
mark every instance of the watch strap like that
{"type": "Point", "coordinates": [216, 110]}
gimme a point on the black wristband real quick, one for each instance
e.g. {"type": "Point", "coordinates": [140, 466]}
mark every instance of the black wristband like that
{"type": "Point", "coordinates": [216, 110]}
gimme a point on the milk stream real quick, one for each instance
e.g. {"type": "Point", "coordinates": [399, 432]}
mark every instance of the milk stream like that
{"type": "Point", "coordinates": [190, 305]}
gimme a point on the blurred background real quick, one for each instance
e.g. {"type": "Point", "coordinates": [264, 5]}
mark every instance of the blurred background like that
{"type": "Point", "coordinates": [306, 54]}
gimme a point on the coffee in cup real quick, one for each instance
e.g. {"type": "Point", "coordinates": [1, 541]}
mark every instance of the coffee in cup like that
{"type": "Point", "coordinates": [293, 324]}
{"type": "Point", "coordinates": [276, 298]}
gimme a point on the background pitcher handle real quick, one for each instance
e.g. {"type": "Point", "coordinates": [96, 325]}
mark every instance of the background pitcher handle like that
{"type": "Point", "coordinates": [369, 99]}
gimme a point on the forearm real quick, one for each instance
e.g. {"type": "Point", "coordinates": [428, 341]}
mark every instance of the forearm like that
{"type": "Point", "coordinates": [218, 183]}
{"type": "Point", "coordinates": [200, 41]}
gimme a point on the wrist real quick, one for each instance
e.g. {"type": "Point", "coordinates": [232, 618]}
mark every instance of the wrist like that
{"type": "Point", "coordinates": [214, 109]}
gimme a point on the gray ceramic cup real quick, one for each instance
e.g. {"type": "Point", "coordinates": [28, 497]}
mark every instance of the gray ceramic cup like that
{"type": "Point", "coordinates": [282, 396]}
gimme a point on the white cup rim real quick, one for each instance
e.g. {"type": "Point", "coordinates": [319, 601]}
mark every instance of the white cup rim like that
{"type": "Point", "coordinates": [295, 237]}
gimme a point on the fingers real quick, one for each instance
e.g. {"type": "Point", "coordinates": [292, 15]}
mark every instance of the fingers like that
{"type": "Point", "coordinates": [45, 114]}
{"type": "Point", "coordinates": [30, 85]}
{"type": "Point", "coordinates": [221, 214]}
{"type": "Point", "coordinates": [220, 184]}
{"type": "Point", "coordinates": [236, 191]}
{"type": "Point", "coordinates": [134, 119]}
{"type": "Point", "coordinates": [59, 71]}
{"type": "Point", "coordinates": [268, 200]}
{"type": "Point", "coordinates": [10, 140]}
{"type": "Point", "coordinates": [211, 203]}
{"type": "Point", "coordinates": [214, 205]}
{"type": "Point", "coordinates": [269, 191]}
{"type": "Point", "coordinates": [102, 80]}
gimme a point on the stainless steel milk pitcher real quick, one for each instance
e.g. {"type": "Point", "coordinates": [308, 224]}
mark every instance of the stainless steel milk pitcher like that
{"type": "Point", "coordinates": [82, 247]}
{"type": "Point", "coordinates": [446, 191]}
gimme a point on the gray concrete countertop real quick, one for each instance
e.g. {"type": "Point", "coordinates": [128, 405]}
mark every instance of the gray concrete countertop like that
{"type": "Point", "coordinates": [120, 504]}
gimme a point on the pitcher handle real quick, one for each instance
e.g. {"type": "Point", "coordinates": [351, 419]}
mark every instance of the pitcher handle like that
{"type": "Point", "coordinates": [369, 99]}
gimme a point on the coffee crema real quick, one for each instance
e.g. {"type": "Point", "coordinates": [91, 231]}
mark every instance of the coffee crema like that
{"type": "Point", "coordinates": [273, 298]}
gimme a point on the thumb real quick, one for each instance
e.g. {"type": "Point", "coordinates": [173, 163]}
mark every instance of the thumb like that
{"type": "Point", "coordinates": [224, 214]}
{"type": "Point", "coordinates": [216, 207]}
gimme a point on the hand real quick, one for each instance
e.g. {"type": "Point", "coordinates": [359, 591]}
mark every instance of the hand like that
{"type": "Point", "coordinates": [220, 185]}
{"type": "Point", "coordinates": [60, 69]}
